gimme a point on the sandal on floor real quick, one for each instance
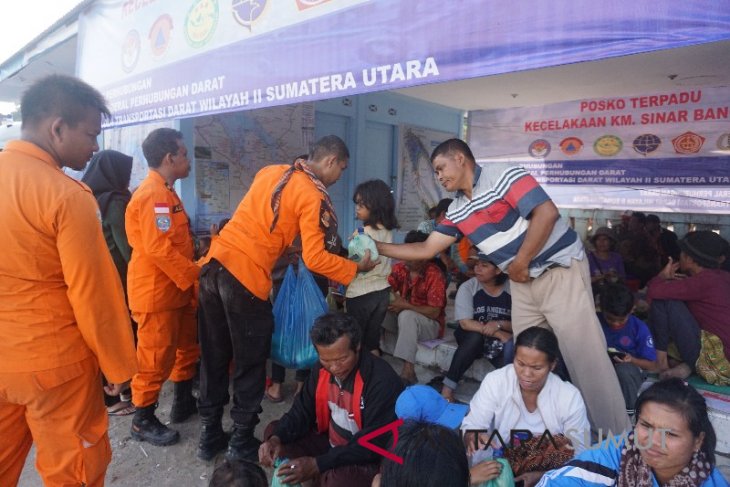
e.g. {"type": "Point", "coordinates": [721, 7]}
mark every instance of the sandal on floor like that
{"type": "Point", "coordinates": [122, 408]}
{"type": "Point", "coordinates": [271, 398]}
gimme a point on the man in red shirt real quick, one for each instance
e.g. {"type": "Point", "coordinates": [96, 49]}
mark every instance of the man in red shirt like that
{"type": "Point", "coordinates": [417, 312]}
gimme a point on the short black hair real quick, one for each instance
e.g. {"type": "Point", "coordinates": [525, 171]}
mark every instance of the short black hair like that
{"type": "Point", "coordinates": [540, 339]}
{"type": "Point", "coordinates": [62, 96]}
{"type": "Point", "coordinates": [433, 456]}
{"type": "Point", "coordinates": [329, 145]}
{"type": "Point", "coordinates": [617, 299]}
{"type": "Point", "coordinates": [414, 236]}
{"type": "Point", "coordinates": [375, 195]}
{"type": "Point", "coordinates": [443, 205]}
{"type": "Point", "coordinates": [686, 401]}
{"type": "Point", "coordinates": [652, 218]}
{"type": "Point", "coordinates": [639, 216]}
{"type": "Point", "coordinates": [159, 143]}
{"type": "Point", "coordinates": [238, 473]}
{"type": "Point", "coordinates": [450, 146]}
{"type": "Point", "coordinates": [330, 327]}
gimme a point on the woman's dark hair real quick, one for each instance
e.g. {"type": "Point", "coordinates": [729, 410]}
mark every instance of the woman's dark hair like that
{"type": "Point", "coordinates": [617, 299]}
{"type": "Point", "coordinates": [238, 473]}
{"type": "Point", "coordinates": [433, 456]}
{"type": "Point", "coordinates": [330, 327]}
{"type": "Point", "coordinates": [540, 339]}
{"type": "Point", "coordinates": [375, 195]}
{"type": "Point", "coordinates": [685, 400]}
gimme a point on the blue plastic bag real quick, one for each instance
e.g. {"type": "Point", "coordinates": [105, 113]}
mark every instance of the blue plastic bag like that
{"type": "Point", "coordinates": [298, 304]}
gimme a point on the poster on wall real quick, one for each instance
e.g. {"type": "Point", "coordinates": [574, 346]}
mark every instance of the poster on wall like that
{"type": "Point", "coordinates": [230, 149]}
{"type": "Point", "coordinates": [128, 140]}
{"type": "Point", "coordinates": [654, 152]}
{"type": "Point", "coordinates": [417, 189]}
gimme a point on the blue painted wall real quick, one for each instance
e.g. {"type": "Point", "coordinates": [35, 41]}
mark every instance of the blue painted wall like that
{"type": "Point", "coordinates": [369, 124]}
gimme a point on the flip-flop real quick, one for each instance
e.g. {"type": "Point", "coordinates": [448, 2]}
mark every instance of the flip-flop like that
{"type": "Point", "coordinates": [121, 409]}
{"type": "Point", "coordinates": [271, 398]}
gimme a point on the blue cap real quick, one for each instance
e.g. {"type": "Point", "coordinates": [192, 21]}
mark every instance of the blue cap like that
{"type": "Point", "coordinates": [423, 403]}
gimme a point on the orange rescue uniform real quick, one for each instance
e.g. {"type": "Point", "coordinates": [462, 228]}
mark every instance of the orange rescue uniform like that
{"type": "Point", "coordinates": [62, 317]}
{"type": "Point", "coordinates": [249, 250]}
{"type": "Point", "coordinates": [160, 283]}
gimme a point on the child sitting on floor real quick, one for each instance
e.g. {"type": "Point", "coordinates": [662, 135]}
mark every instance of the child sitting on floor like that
{"type": "Point", "coordinates": [629, 340]}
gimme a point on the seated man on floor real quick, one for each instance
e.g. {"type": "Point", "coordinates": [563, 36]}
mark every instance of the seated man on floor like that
{"type": "Point", "coordinates": [483, 309]}
{"type": "Point", "coordinates": [417, 312]}
{"type": "Point", "coordinates": [629, 341]}
{"type": "Point", "coordinates": [347, 396]}
{"type": "Point", "coordinates": [693, 310]}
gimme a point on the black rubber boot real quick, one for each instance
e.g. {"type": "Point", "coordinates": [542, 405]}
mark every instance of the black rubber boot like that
{"type": "Point", "coordinates": [146, 427]}
{"type": "Point", "coordinates": [243, 445]}
{"type": "Point", "coordinates": [212, 438]}
{"type": "Point", "coordinates": [184, 403]}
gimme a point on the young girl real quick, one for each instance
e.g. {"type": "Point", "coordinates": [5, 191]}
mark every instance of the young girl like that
{"type": "Point", "coordinates": [367, 295]}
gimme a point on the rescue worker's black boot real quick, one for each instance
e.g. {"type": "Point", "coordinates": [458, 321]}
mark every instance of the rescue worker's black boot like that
{"type": "Point", "coordinates": [212, 438]}
{"type": "Point", "coordinates": [146, 427]}
{"type": "Point", "coordinates": [184, 403]}
{"type": "Point", "coordinates": [243, 445]}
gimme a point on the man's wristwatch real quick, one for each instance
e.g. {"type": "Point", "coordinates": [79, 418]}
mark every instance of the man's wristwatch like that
{"type": "Point", "coordinates": [499, 324]}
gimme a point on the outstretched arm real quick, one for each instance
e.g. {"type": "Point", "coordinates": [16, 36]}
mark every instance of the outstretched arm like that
{"type": "Point", "coordinates": [435, 243]}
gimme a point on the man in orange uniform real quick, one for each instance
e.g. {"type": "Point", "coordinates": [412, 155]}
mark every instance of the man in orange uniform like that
{"type": "Point", "coordinates": [62, 310]}
{"type": "Point", "coordinates": [160, 284]}
{"type": "Point", "coordinates": [235, 313]}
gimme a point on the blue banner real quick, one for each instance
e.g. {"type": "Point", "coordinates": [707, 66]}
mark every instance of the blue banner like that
{"type": "Point", "coordinates": [172, 59]}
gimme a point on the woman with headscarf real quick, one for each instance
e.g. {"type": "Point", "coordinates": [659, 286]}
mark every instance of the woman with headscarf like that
{"type": "Point", "coordinates": [108, 177]}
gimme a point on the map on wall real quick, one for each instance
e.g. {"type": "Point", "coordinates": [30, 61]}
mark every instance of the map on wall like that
{"type": "Point", "coordinates": [417, 189]}
{"type": "Point", "coordinates": [230, 148]}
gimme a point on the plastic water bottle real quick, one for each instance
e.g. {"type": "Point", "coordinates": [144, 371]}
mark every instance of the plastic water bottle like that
{"type": "Point", "coordinates": [359, 244]}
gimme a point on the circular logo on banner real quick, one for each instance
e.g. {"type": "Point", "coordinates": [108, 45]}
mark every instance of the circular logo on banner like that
{"type": "Point", "coordinates": [571, 146]}
{"type": "Point", "coordinates": [645, 144]}
{"type": "Point", "coordinates": [608, 145]}
{"type": "Point", "coordinates": [539, 148]}
{"type": "Point", "coordinates": [723, 143]}
{"type": "Point", "coordinates": [160, 35]}
{"type": "Point", "coordinates": [130, 50]}
{"type": "Point", "coordinates": [201, 21]}
{"type": "Point", "coordinates": [688, 143]}
{"type": "Point", "coordinates": [246, 12]}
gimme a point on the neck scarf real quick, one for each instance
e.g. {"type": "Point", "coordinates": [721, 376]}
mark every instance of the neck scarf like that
{"type": "Point", "coordinates": [276, 195]}
{"type": "Point", "coordinates": [636, 473]}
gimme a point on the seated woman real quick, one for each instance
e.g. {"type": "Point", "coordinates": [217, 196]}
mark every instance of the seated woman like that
{"type": "Point", "coordinates": [606, 265]}
{"type": "Point", "coordinates": [693, 310]}
{"type": "Point", "coordinates": [526, 395]}
{"type": "Point", "coordinates": [483, 309]}
{"type": "Point", "coordinates": [673, 443]}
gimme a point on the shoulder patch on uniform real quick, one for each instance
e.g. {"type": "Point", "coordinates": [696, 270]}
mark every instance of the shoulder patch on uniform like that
{"type": "Point", "coordinates": [162, 208]}
{"type": "Point", "coordinates": [177, 208]}
{"type": "Point", "coordinates": [163, 222]}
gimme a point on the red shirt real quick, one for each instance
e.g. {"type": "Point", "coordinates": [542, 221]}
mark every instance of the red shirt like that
{"type": "Point", "coordinates": [427, 289]}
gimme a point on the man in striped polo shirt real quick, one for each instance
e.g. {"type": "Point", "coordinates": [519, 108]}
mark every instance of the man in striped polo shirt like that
{"type": "Point", "coordinates": [511, 219]}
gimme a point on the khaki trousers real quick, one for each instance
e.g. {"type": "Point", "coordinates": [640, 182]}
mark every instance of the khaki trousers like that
{"type": "Point", "coordinates": [561, 300]}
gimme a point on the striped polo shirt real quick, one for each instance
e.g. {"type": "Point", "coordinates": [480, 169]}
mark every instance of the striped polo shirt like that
{"type": "Point", "coordinates": [497, 217]}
